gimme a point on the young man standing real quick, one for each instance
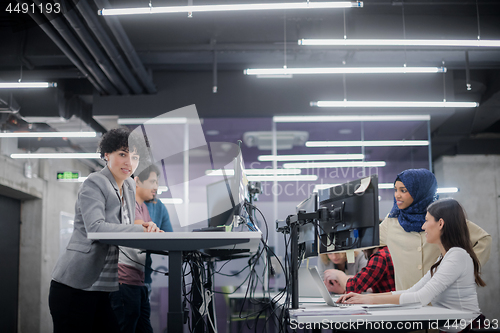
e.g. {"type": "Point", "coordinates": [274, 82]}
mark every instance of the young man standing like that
{"type": "Point", "coordinates": [159, 214]}
{"type": "Point", "coordinates": [131, 302]}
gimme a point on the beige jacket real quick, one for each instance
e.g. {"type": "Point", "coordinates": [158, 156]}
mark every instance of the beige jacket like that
{"type": "Point", "coordinates": [412, 256]}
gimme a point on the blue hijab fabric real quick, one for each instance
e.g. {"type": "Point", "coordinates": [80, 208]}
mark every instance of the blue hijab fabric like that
{"type": "Point", "coordinates": [422, 186]}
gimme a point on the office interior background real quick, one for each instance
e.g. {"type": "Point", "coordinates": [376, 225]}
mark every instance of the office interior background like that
{"type": "Point", "coordinates": [112, 70]}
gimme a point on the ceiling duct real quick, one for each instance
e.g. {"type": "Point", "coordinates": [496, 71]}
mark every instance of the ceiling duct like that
{"type": "Point", "coordinates": [8, 104]}
{"type": "Point", "coordinates": [284, 139]}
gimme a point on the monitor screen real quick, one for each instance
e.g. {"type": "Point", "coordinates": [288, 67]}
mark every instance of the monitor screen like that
{"type": "Point", "coordinates": [353, 216]}
{"type": "Point", "coordinates": [226, 198]}
{"type": "Point", "coordinates": [218, 203]}
{"type": "Point", "coordinates": [308, 236]}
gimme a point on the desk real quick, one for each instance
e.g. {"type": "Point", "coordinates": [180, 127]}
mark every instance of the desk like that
{"type": "Point", "coordinates": [177, 243]}
{"type": "Point", "coordinates": [423, 314]}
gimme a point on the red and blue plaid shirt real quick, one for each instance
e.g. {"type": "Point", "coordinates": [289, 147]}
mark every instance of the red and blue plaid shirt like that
{"type": "Point", "coordinates": [378, 274]}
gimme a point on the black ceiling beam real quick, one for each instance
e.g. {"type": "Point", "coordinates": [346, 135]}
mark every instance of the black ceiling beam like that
{"type": "Point", "coordinates": [115, 56]}
{"type": "Point", "coordinates": [63, 46]}
{"type": "Point", "coordinates": [65, 32]}
{"type": "Point", "coordinates": [99, 56]}
{"type": "Point", "coordinates": [128, 48]}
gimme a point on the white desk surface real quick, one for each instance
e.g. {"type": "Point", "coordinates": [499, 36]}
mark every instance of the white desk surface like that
{"type": "Point", "coordinates": [175, 235]}
{"type": "Point", "coordinates": [425, 313]}
{"type": "Point", "coordinates": [181, 241]}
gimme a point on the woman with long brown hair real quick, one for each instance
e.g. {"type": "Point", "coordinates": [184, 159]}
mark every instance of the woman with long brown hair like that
{"type": "Point", "coordinates": [451, 281]}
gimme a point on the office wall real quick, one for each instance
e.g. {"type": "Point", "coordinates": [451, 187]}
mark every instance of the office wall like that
{"type": "Point", "coordinates": [42, 199]}
{"type": "Point", "coordinates": [478, 180]}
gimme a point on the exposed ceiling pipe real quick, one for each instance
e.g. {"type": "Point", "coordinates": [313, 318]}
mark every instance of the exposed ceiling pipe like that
{"type": "Point", "coordinates": [99, 56]}
{"type": "Point", "coordinates": [98, 30]}
{"type": "Point", "coordinates": [80, 51]}
{"type": "Point", "coordinates": [127, 47]}
{"type": "Point", "coordinates": [56, 38]}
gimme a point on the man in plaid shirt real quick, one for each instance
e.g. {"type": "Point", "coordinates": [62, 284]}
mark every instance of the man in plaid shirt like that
{"type": "Point", "coordinates": [378, 275]}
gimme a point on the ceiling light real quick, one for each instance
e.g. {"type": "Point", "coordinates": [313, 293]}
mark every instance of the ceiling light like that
{"type": "Point", "coordinates": [318, 187]}
{"type": "Point", "coordinates": [49, 135]}
{"type": "Point", "coordinates": [344, 70]}
{"type": "Point", "coordinates": [401, 42]}
{"type": "Point", "coordinates": [390, 186]}
{"type": "Point", "coordinates": [230, 7]}
{"type": "Point", "coordinates": [152, 121]}
{"type": "Point", "coordinates": [315, 165]}
{"type": "Point", "coordinates": [22, 85]}
{"type": "Point", "coordinates": [219, 173]}
{"type": "Point", "coordinates": [447, 190]}
{"type": "Point", "coordinates": [376, 143]}
{"type": "Point", "coordinates": [78, 180]}
{"type": "Point", "coordinates": [335, 119]}
{"type": "Point", "coordinates": [393, 104]}
{"type": "Point", "coordinates": [381, 186]}
{"type": "Point", "coordinates": [386, 186]}
{"type": "Point", "coordinates": [171, 201]}
{"type": "Point", "coordinates": [272, 172]}
{"type": "Point", "coordinates": [274, 76]}
{"type": "Point", "coordinates": [255, 172]}
{"type": "Point", "coordinates": [317, 157]}
{"type": "Point", "coordinates": [161, 189]}
{"type": "Point", "coordinates": [58, 155]}
{"type": "Point", "coordinates": [283, 178]}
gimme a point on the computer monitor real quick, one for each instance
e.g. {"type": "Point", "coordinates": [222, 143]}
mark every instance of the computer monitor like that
{"type": "Point", "coordinates": [308, 236]}
{"type": "Point", "coordinates": [353, 216]}
{"type": "Point", "coordinates": [226, 198]}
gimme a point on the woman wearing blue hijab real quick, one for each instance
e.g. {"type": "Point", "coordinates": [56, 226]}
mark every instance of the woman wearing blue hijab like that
{"type": "Point", "coordinates": [401, 230]}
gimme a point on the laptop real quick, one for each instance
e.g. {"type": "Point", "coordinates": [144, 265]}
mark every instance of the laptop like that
{"type": "Point", "coordinates": [332, 301]}
{"type": "Point", "coordinates": [307, 285]}
{"type": "Point", "coordinates": [322, 289]}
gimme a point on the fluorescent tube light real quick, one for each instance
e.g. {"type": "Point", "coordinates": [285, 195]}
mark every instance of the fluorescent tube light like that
{"type": "Point", "coordinates": [58, 155]}
{"type": "Point", "coordinates": [378, 143]}
{"type": "Point", "coordinates": [315, 165]}
{"type": "Point", "coordinates": [162, 189]}
{"type": "Point", "coordinates": [284, 178]}
{"type": "Point", "coordinates": [387, 186]}
{"type": "Point", "coordinates": [335, 119]}
{"type": "Point", "coordinates": [392, 104]}
{"type": "Point", "coordinates": [230, 7]}
{"type": "Point", "coordinates": [317, 157]}
{"type": "Point", "coordinates": [381, 186]}
{"type": "Point", "coordinates": [171, 201]}
{"type": "Point", "coordinates": [390, 186]}
{"type": "Point", "coordinates": [78, 180]}
{"type": "Point", "coordinates": [23, 85]}
{"type": "Point", "coordinates": [401, 42]}
{"type": "Point", "coordinates": [255, 172]}
{"type": "Point", "coordinates": [447, 190]}
{"type": "Point", "coordinates": [219, 173]}
{"type": "Point", "coordinates": [152, 121]}
{"type": "Point", "coordinates": [323, 186]}
{"type": "Point", "coordinates": [344, 70]}
{"type": "Point", "coordinates": [49, 135]}
{"type": "Point", "coordinates": [274, 76]}
{"type": "Point", "coordinates": [272, 172]}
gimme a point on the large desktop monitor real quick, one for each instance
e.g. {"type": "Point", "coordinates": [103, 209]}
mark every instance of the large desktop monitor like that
{"type": "Point", "coordinates": [353, 216]}
{"type": "Point", "coordinates": [308, 235]}
{"type": "Point", "coordinates": [226, 198]}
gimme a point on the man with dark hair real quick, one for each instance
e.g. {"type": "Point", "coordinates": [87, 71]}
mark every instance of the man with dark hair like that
{"type": "Point", "coordinates": [131, 302]}
{"type": "Point", "coordinates": [159, 214]}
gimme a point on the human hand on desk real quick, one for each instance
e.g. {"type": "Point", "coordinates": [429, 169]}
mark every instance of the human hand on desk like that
{"type": "Point", "coordinates": [353, 298]}
{"type": "Point", "coordinates": [150, 227]}
{"type": "Point", "coordinates": [335, 281]}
